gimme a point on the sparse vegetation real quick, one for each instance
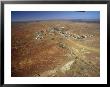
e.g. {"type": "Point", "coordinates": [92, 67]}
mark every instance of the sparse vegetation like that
{"type": "Point", "coordinates": [55, 48]}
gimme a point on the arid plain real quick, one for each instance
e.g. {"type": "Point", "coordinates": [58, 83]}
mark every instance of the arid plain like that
{"type": "Point", "coordinates": [55, 49]}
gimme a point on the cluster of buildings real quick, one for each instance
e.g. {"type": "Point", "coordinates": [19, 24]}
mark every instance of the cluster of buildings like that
{"type": "Point", "coordinates": [62, 32]}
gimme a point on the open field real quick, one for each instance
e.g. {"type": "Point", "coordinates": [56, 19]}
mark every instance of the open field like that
{"type": "Point", "coordinates": [55, 49]}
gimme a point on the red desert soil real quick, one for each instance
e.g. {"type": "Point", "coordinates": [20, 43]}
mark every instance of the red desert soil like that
{"type": "Point", "coordinates": [55, 49]}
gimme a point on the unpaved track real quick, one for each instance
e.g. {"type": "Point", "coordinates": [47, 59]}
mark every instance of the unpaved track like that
{"type": "Point", "coordinates": [72, 43]}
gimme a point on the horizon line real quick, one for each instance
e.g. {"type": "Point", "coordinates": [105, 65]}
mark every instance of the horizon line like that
{"type": "Point", "coordinates": [56, 20]}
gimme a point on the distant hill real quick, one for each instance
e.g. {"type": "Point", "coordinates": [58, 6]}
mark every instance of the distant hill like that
{"type": "Point", "coordinates": [73, 20]}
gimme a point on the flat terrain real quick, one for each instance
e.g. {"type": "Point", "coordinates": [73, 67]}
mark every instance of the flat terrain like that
{"type": "Point", "coordinates": [55, 49]}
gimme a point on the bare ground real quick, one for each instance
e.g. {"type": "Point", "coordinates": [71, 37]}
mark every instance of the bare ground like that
{"type": "Point", "coordinates": [55, 49]}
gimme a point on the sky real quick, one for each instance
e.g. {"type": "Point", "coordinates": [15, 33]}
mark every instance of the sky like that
{"type": "Point", "coordinates": [53, 15]}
